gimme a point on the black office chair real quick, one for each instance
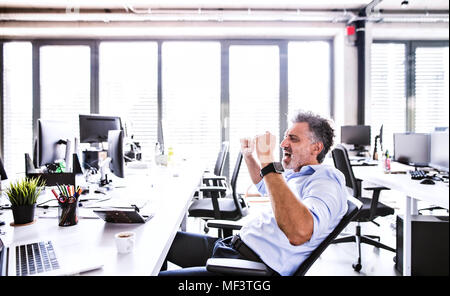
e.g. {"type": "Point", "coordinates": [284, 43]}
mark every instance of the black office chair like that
{"type": "Point", "coordinates": [225, 266]}
{"type": "Point", "coordinates": [3, 175]}
{"type": "Point", "coordinates": [220, 161]}
{"type": "Point", "coordinates": [220, 205]}
{"type": "Point", "coordinates": [371, 208]}
{"type": "Point", "coordinates": [217, 178]}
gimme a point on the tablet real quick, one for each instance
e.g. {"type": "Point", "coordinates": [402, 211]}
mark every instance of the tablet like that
{"type": "Point", "coordinates": [122, 216]}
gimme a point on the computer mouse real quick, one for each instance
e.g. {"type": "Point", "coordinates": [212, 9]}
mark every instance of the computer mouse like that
{"type": "Point", "coordinates": [427, 182]}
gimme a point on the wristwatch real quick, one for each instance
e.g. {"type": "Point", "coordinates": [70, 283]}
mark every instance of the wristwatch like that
{"type": "Point", "coordinates": [274, 167]}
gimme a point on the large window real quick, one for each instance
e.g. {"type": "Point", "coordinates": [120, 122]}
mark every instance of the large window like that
{"type": "Point", "coordinates": [129, 88]}
{"type": "Point", "coordinates": [254, 97]}
{"type": "Point", "coordinates": [409, 88]}
{"type": "Point", "coordinates": [430, 88]}
{"type": "Point", "coordinates": [17, 105]}
{"type": "Point", "coordinates": [191, 99]}
{"type": "Point", "coordinates": [388, 103]}
{"type": "Point", "coordinates": [65, 83]}
{"type": "Point", "coordinates": [200, 92]}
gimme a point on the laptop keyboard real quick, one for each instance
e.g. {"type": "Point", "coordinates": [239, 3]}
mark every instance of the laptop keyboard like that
{"type": "Point", "coordinates": [35, 258]}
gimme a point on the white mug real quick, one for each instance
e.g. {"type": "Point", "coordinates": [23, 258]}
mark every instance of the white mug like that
{"type": "Point", "coordinates": [125, 241]}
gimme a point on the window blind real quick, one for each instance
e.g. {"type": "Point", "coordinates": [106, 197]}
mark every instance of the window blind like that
{"type": "Point", "coordinates": [431, 88]}
{"type": "Point", "coordinates": [17, 105]}
{"type": "Point", "coordinates": [388, 91]}
{"type": "Point", "coordinates": [254, 98]}
{"type": "Point", "coordinates": [128, 88]}
{"type": "Point", "coordinates": [191, 99]}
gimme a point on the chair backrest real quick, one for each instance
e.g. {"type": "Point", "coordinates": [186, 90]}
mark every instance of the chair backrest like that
{"type": "Point", "coordinates": [218, 168]}
{"type": "Point", "coordinates": [342, 163]}
{"type": "Point", "coordinates": [237, 167]}
{"type": "Point", "coordinates": [233, 182]}
{"type": "Point", "coordinates": [3, 175]}
{"type": "Point", "coordinates": [354, 205]}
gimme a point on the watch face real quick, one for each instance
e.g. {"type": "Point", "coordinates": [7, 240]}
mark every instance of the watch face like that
{"type": "Point", "coordinates": [278, 166]}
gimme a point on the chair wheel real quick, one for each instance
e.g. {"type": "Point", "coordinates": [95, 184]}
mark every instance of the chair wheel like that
{"type": "Point", "coordinates": [357, 267]}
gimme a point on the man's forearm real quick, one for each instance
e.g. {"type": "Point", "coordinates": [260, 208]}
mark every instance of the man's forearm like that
{"type": "Point", "coordinates": [293, 217]}
{"type": "Point", "coordinates": [253, 168]}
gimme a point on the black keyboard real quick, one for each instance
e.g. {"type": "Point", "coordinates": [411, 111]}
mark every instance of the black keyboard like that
{"type": "Point", "coordinates": [418, 175]}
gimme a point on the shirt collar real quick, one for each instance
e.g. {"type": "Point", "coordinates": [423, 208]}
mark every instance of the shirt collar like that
{"type": "Point", "coordinates": [304, 171]}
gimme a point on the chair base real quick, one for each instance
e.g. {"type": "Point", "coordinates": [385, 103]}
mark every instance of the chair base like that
{"type": "Point", "coordinates": [367, 239]}
{"type": "Point", "coordinates": [358, 238]}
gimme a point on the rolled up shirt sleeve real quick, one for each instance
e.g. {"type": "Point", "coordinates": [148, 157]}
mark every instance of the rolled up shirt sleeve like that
{"type": "Point", "coordinates": [261, 186]}
{"type": "Point", "coordinates": [323, 204]}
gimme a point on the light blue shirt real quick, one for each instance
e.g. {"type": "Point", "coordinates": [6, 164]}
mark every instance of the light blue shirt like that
{"type": "Point", "coordinates": [319, 187]}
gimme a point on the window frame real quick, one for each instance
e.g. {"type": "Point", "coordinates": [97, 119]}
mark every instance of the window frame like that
{"type": "Point", "coordinates": [1, 101]}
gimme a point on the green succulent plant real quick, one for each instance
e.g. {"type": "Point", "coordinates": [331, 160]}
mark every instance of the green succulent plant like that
{"type": "Point", "coordinates": [25, 191]}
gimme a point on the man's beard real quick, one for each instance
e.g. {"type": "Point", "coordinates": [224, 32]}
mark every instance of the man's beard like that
{"type": "Point", "coordinates": [291, 162]}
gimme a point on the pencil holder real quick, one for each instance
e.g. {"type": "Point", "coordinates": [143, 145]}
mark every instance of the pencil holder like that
{"type": "Point", "coordinates": [68, 212]}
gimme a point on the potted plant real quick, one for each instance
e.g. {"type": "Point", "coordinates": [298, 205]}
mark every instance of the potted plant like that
{"type": "Point", "coordinates": [23, 195]}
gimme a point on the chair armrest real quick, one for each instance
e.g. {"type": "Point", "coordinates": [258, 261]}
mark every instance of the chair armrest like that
{"type": "Point", "coordinates": [221, 178]}
{"type": "Point", "coordinates": [224, 224]}
{"type": "Point", "coordinates": [213, 189]}
{"type": "Point", "coordinates": [227, 266]}
{"type": "Point", "coordinates": [214, 180]}
{"type": "Point", "coordinates": [376, 188]}
{"type": "Point", "coordinates": [375, 197]}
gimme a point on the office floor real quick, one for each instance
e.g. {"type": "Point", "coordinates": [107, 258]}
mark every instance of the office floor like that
{"type": "Point", "coordinates": [337, 259]}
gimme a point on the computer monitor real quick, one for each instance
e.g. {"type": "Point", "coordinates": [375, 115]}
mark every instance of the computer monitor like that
{"type": "Point", "coordinates": [3, 175]}
{"type": "Point", "coordinates": [439, 145]}
{"type": "Point", "coordinates": [356, 135]}
{"type": "Point", "coordinates": [52, 133]}
{"type": "Point", "coordinates": [94, 128]}
{"type": "Point", "coordinates": [412, 148]}
{"type": "Point", "coordinates": [161, 135]}
{"type": "Point", "coordinates": [115, 152]}
{"type": "Point", "coordinates": [380, 136]}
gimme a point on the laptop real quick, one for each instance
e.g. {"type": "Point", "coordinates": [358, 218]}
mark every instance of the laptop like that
{"type": "Point", "coordinates": [46, 257]}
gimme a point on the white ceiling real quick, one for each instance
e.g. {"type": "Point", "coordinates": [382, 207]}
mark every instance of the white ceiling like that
{"type": "Point", "coordinates": [428, 5]}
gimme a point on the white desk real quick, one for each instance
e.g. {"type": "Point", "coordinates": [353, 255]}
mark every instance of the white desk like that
{"type": "Point", "coordinates": [169, 200]}
{"type": "Point", "coordinates": [437, 194]}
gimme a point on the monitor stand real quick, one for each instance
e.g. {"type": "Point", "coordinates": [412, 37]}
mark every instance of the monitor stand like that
{"type": "Point", "coordinates": [418, 166]}
{"type": "Point", "coordinates": [104, 170]}
{"type": "Point", "coordinates": [360, 150]}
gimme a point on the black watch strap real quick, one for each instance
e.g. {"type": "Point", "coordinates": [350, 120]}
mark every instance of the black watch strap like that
{"type": "Point", "coordinates": [274, 167]}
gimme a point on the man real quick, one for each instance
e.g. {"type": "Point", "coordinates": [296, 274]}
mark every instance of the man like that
{"type": "Point", "coordinates": [307, 202]}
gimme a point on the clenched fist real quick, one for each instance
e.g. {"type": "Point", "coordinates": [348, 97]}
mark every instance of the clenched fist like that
{"type": "Point", "coordinates": [265, 147]}
{"type": "Point", "coordinates": [247, 146]}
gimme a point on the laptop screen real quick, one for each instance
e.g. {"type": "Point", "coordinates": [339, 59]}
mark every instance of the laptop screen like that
{"type": "Point", "coordinates": [2, 259]}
